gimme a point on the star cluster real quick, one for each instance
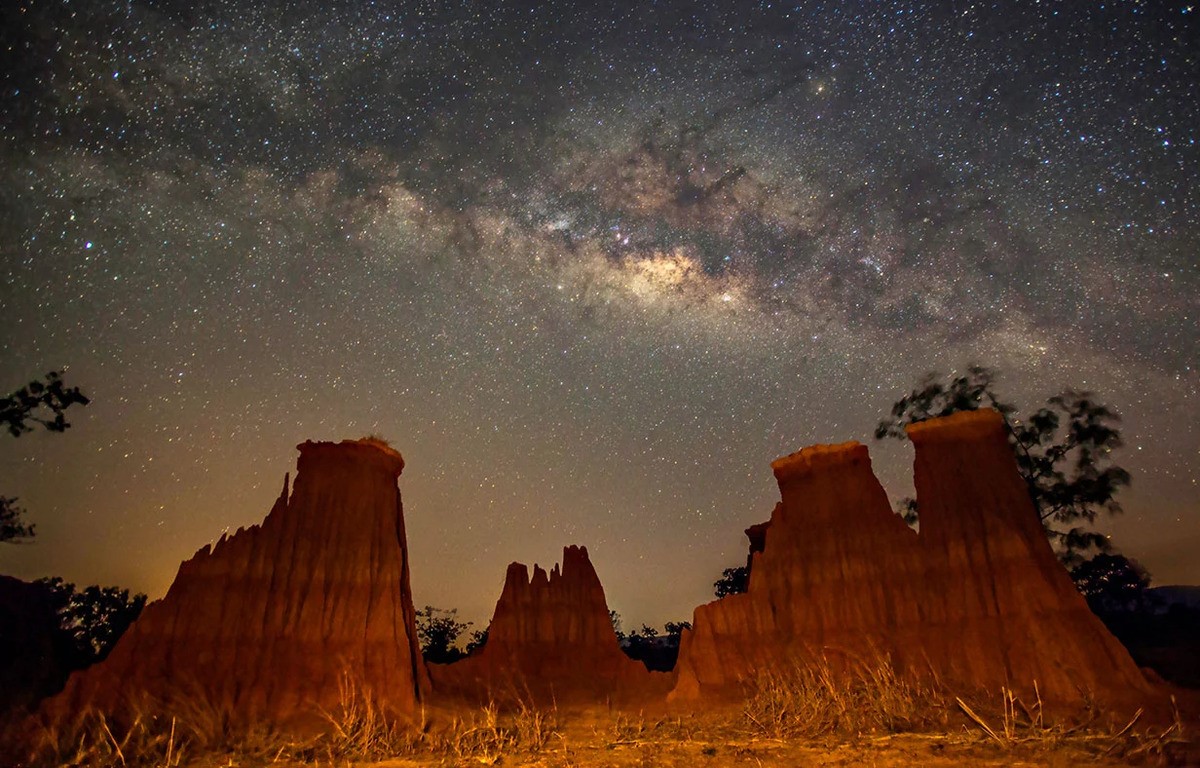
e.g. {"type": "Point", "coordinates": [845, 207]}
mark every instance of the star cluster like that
{"type": "Point", "coordinates": [589, 268]}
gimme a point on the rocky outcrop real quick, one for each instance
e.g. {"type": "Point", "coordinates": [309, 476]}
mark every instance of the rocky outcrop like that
{"type": "Point", "coordinates": [977, 598]}
{"type": "Point", "coordinates": [757, 534]}
{"type": "Point", "coordinates": [265, 624]}
{"type": "Point", "coordinates": [550, 638]}
{"type": "Point", "coordinates": [992, 576]}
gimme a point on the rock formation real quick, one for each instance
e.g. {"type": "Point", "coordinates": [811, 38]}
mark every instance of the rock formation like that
{"type": "Point", "coordinates": [993, 577]}
{"type": "Point", "coordinates": [550, 638]}
{"type": "Point", "coordinates": [264, 626]}
{"type": "Point", "coordinates": [757, 534]}
{"type": "Point", "coordinates": [977, 598]}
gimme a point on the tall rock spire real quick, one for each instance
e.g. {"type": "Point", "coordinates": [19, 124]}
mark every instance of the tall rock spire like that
{"type": "Point", "coordinates": [994, 582]}
{"type": "Point", "coordinates": [265, 623]}
{"type": "Point", "coordinates": [977, 597]}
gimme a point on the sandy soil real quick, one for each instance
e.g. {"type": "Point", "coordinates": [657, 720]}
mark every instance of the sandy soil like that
{"type": "Point", "coordinates": [592, 737]}
{"type": "Point", "coordinates": [596, 739]}
{"type": "Point", "coordinates": [884, 752]}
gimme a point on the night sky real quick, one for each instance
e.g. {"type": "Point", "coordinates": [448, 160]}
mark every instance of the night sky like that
{"type": "Point", "coordinates": [589, 269]}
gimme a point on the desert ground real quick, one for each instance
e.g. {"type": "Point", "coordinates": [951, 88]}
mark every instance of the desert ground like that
{"type": "Point", "coordinates": [767, 729]}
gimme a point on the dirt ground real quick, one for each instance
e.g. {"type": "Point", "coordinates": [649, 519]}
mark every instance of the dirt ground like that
{"type": "Point", "coordinates": [884, 752]}
{"type": "Point", "coordinates": [594, 737]}
{"type": "Point", "coordinates": [603, 739]}
{"type": "Point", "coordinates": [676, 745]}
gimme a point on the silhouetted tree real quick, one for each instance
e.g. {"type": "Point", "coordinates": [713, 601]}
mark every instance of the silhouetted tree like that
{"type": "Point", "coordinates": [94, 618]}
{"type": "Point", "coordinates": [11, 527]}
{"type": "Point", "coordinates": [439, 630]}
{"type": "Point", "coordinates": [615, 618]}
{"type": "Point", "coordinates": [38, 402]}
{"type": "Point", "coordinates": [1062, 452]}
{"type": "Point", "coordinates": [907, 509]}
{"type": "Point", "coordinates": [657, 652]}
{"type": "Point", "coordinates": [1112, 583]}
{"type": "Point", "coordinates": [733, 581]}
{"type": "Point", "coordinates": [478, 640]}
{"type": "Point", "coordinates": [640, 645]}
{"type": "Point", "coordinates": [30, 403]}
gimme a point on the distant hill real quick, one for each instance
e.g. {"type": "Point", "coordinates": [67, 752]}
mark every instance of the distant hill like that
{"type": "Point", "coordinates": [1176, 594]}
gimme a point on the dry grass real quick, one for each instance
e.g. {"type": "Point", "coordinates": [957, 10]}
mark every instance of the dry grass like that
{"type": "Point", "coordinates": [1158, 744]}
{"type": "Point", "coordinates": [95, 743]}
{"type": "Point", "coordinates": [362, 729]}
{"type": "Point", "coordinates": [626, 729]}
{"type": "Point", "coordinates": [818, 700]}
{"type": "Point", "coordinates": [1019, 724]}
{"type": "Point", "coordinates": [145, 731]}
{"type": "Point", "coordinates": [814, 699]}
{"type": "Point", "coordinates": [162, 736]}
{"type": "Point", "coordinates": [797, 715]}
{"type": "Point", "coordinates": [488, 735]}
{"type": "Point", "coordinates": [96, 739]}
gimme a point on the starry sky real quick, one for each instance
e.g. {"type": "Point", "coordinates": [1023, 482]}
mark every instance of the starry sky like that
{"type": "Point", "coordinates": [590, 269]}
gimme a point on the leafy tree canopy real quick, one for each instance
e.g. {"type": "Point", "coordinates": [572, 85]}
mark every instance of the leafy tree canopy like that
{"type": "Point", "coordinates": [439, 631]}
{"type": "Point", "coordinates": [478, 640]}
{"type": "Point", "coordinates": [12, 529]}
{"type": "Point", "coordinates": [94, 618]}
{"type": "Point", "coordinates": [657, 652]}
{"type": "Point", "coordinates": [615, 618]}
{"type": "Point", "coordinates": [1112, 583]}
{"type": "Point", "coordinates": [1063, 452]}
{"type": "Point", "coordinates": [733, 581]}
{"type": "Point", "coordinates": [38, 402]}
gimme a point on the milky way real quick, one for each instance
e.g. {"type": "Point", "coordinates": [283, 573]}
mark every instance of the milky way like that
{"type": "Point", "coordinates": [590, 270]}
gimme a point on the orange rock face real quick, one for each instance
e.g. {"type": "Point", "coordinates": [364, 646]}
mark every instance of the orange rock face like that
{"type": "Point", "coordinates": [978, 597]}
{"type": "Point", "coordinates": [993, 576]}
{"type": "Point", "coordinates": [550, 638]}
{"type": "Point", "coordinates": [265, 624]}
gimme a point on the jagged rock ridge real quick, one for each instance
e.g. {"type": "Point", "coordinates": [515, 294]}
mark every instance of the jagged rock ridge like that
{"type": "Point", "coordinates": [265, 624]}
{"type": "Point", "coordinates": [550, 637]}
{"type": "Point", "coordinates": [976, 598]}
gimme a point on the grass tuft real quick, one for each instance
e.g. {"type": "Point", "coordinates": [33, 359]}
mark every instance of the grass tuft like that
{"type": "Point", "coordinates": [95, 739]}
{"type": "Point", "coordinates": [490, 733]}
{"type": "Point", "coordinates": [815, 699]}
{"type": "Point", "coordinates": [361, 728]}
